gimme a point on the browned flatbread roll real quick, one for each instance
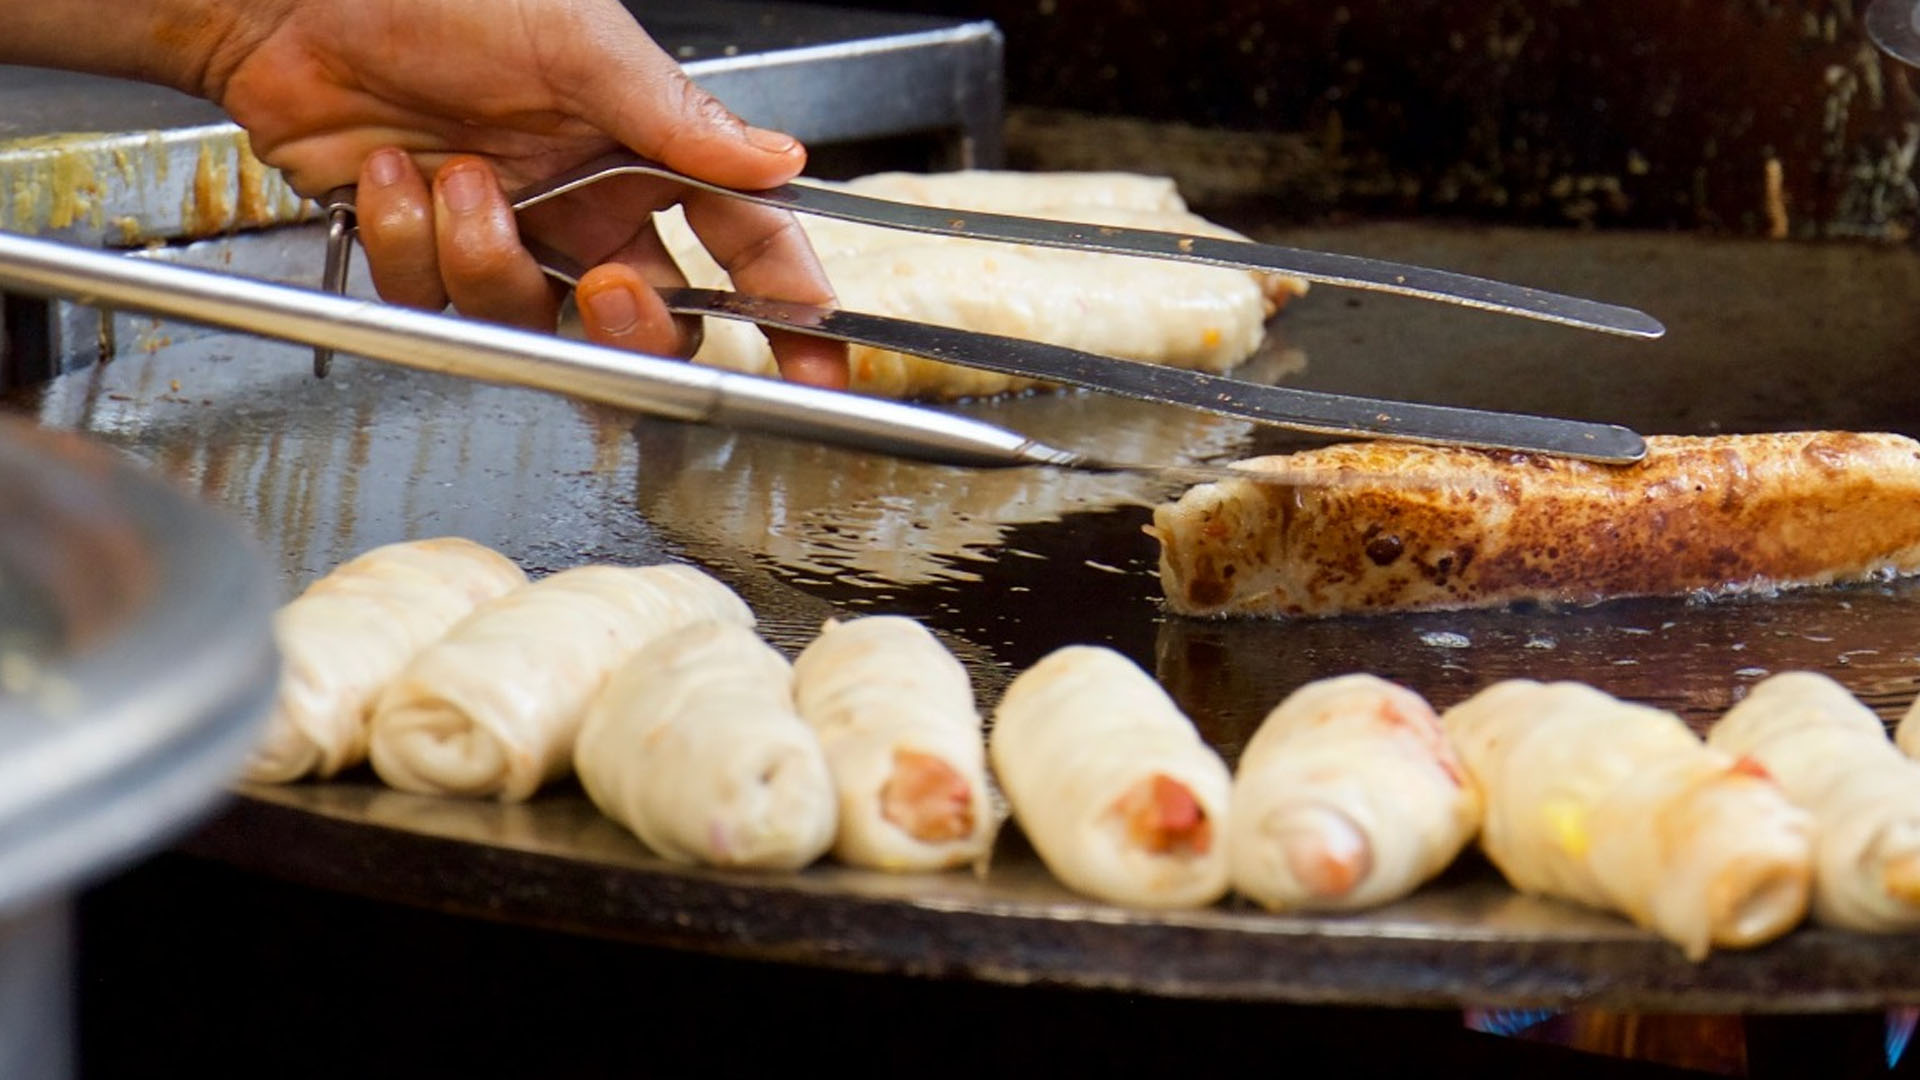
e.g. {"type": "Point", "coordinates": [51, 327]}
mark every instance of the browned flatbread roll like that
{"type": "Point", "coordinates": [1716, 514]}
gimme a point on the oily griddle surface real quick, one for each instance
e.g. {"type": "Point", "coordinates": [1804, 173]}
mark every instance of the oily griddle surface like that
{"type": "Point", "coordinates": [1009, 565]}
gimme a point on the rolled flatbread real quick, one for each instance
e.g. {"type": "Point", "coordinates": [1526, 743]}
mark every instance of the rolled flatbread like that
{"type": "Point", "coordinates": [1830, 754]}
{"type": "Point", "coordinates": [895, 714]}
{"type": "Point", "coordinates": [695, 746]}
{"type": "Point", "coordinates": [493, 707]}
{"type": "Point", "coordinates": [1470, 528]}
{"type": "Point", "coordinates": [1111, 783]}
{"type": "Point", "coordinates": [1151, 310]}
{"type": "Point", "coordinates": [1906, 734]}
{"type": "Point", "coordinates": [1008, 192]}
{"type": "Point", "coordinates": [1106, 198]}
{"type": "Point", "coordinates": [1619, 806]}
{"type": "Point", "coordinates": [1347, 796]}
{"type": "Point", "coordinates": [350, 634]}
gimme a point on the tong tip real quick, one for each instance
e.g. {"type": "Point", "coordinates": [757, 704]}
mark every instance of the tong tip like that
{"type": "Point", "coordinates": [1639, 324]}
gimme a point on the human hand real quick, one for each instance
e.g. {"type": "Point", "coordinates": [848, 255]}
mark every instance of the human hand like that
{"type": "Point", "coordinates": [434, 107]}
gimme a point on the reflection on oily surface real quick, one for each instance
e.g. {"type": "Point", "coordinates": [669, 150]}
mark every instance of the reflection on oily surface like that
{"type": "Point", "coordinates": [818, 512]}
{"type": "Point", "coordinates": [1695, 658]}
{"type": "Point", "coordinates": [321, 470]}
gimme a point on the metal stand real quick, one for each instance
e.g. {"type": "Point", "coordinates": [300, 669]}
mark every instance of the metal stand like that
{"type": "Point", "coordinates": [36, 1006]}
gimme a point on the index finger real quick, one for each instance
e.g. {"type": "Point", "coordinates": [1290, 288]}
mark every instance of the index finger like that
{"type": "Point", "coordinates": [766, 254]}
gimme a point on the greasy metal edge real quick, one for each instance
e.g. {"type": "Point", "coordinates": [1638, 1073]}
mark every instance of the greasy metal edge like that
{"type": "Point", "coordinates": [1201, 955]}
{"type": "Point", "coordinates": [144, 187]}
{"type": "Point", "coordinates": [197, 180]}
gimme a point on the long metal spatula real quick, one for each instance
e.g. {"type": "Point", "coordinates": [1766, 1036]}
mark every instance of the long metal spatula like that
{"type": "Point", "coordinates": [496, 354]}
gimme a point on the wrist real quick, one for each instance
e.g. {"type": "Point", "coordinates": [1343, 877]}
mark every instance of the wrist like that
{"type": "Point", "coordinates": [189, 45]}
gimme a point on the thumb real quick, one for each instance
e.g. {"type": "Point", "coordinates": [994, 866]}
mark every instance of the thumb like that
{"type": "Point", "coordinates": [632, 90]}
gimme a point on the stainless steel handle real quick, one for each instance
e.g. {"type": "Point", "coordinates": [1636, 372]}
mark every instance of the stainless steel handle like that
{"type": "Point", "coordinates": [498, 354]}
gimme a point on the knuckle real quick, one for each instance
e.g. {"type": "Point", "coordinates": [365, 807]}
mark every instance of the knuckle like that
{"type": "Point", "coordinates": [695, 112]}
{"type": "Point", "coordinates": [779, 235]}
{"type": "Point", "coordinates": [700, 106]}
{"type": "Point", "coordinates": [409, 284]}
{"type": "Point", "coordinates": [481, 255]}
{"type": "Point", "coordinates": [420, 297]}
{"type": "Point", "coordinates": [398, 223]}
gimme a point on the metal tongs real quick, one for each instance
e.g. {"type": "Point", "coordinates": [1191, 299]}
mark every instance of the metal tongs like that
{"type": "Point", "coordinates": [1302, 410]}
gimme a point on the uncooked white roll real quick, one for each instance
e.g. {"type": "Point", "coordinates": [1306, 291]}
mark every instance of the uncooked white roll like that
{"type": "Point", "coordinates": [896, 716]}
{"type": "Point", "coordinates": [1347, 796]}
{"type": "Point", "coordinates": [351, 632]}
{"type": "Point", "coordinates": [1830, 754]}
{"type": "Point", "coordinates": [1151, 310]}
{"type": "Point", "coordinates": [493, 707]}
{"type": "Point", "coordinates": [695, 746]}
{"type": "Point", "coordinates": [1111, 783]}
{"type": "Point", "coordinates": [1906, 735]}
{"type": "Point", "coordinates": [1619, 806]}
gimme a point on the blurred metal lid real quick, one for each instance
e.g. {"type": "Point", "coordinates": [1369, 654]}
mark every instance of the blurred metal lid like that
{"type": "Point", "coordinates": [1894, 25]}
{"type": "Point", "coordinates": [136, 660]}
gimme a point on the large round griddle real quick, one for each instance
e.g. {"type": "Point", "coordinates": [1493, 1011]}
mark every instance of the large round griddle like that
{"type": "Point", "coordinates": [1007, 566]}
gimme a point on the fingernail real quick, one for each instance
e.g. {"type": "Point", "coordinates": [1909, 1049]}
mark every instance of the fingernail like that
{"type": "Point", "coordinates": [464, 190]}
{"type": "Point", "coordinates": [773, 142]}
{"type": "Point", "coordinates": [613, 309]}
{"type": "Point", "coordinates": [384, 168]}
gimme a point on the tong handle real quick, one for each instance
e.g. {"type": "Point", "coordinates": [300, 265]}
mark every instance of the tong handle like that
{"type": "Point", "coordinates": [1326, 268]}
{"type": "Point", "coordinates": [1308, 411]}
{"type": "Point", "coordinates": [333, 276]}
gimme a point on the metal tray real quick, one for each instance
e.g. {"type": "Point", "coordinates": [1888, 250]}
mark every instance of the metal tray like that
{"type": "Point", "coordinates": [1007, 566]}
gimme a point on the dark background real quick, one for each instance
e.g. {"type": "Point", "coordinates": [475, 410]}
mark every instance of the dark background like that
{"type": "Point", "coordinates": [1648, 113]}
